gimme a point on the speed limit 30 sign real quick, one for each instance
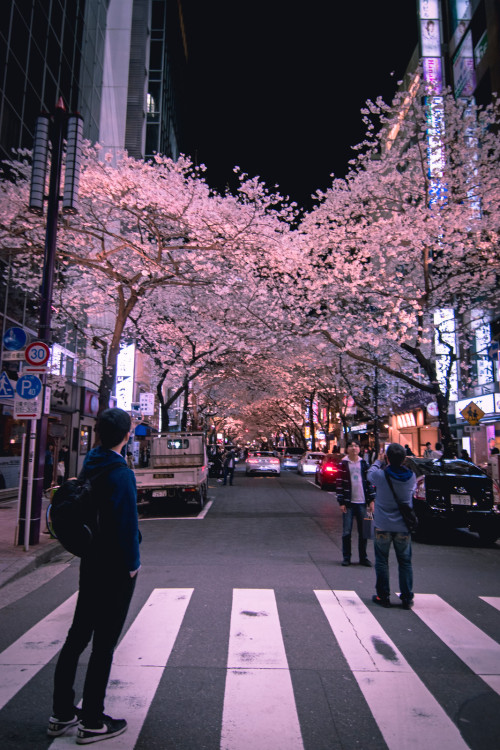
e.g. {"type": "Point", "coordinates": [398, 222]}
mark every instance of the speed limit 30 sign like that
{"type": "Point", "coordinates": [37, 353]}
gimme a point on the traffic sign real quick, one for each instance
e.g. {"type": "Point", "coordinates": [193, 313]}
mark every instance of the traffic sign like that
{"type": "Point", "coordinates": [6, 389]}
{"type": "Point", "coordinates": [37, 353]}
{"type": "Point", "coordinates": [28, 387]}
{"type": "Point", "coordinates": [27, 409]}
{"type": "Point", "coordinates": [472, 413]}
{"type": "Point", "coordinates": [14, 338]}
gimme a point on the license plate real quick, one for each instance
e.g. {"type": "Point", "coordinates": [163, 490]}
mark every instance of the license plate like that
{"type": "Point", "coordinates": [159, 493]}
{"type": "Point", "coordinates": [460, 499]}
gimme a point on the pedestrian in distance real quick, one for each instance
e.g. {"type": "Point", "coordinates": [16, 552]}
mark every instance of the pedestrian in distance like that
{"type": "Point", "coordinates": [437, 452]}
{"type": "Point", "coordinates": [108, 574]}
{"type": "Point", "coordinates": [354, 494]}
{"type": "Point", "coordinates": [48, 470]}
{"type": "Point", "coordinates": [64, 457]}
{"type": "Point", "coordinates": [428, 450]}
{"type": "Point", "coordinates": [390, 527]}
{"type": "Point", "coordinates": [130, 460]}
{"type": "Point", "coordinates": [218, 465]}
{"type": "Point", "coordinates": [229, 464]}
{"type": "Point", "coordinates": [408, 450]}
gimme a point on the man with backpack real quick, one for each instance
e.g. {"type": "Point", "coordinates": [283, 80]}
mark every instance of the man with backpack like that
{"type": "Point", "coordinates": [108, 573]}
{"type": "Point", "coordinates": [394, 484]}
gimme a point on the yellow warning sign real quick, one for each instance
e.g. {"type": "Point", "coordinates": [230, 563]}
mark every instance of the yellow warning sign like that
{"type": "Point", "coordinates": [472, 413]}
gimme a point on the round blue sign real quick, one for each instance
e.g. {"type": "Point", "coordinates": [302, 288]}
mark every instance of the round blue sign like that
{"type": "Point", "coordinates": [14, 339]}
{"type": "Point", "coordinates": [28, 386]}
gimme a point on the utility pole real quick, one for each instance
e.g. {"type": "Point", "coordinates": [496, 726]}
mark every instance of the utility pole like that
{"type": "Point", "coordinates": [49, 136]}
{"type": "Point", "coordinates": [376, 419]}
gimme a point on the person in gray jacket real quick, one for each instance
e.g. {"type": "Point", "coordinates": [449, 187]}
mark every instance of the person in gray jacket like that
{"type": "Point", "coordinates": [390, 527]}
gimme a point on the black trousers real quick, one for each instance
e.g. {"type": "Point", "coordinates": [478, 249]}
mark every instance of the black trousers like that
{"type": "Point", "coordinates": [102, 605]}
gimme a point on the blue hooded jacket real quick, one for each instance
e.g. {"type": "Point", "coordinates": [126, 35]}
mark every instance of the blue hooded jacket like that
{"type": "Point", "coordinates": [386, 514]}
{"type": "Point", "coordinates": [119, 536]}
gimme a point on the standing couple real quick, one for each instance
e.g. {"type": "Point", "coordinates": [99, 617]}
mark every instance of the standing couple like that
{"type": "Point", "coordinates": [360, 486]}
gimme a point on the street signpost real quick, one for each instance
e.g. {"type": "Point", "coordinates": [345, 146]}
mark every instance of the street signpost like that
{"type": "Point", "coordinates": [28, 402]}
{"type": "Point", "coordinates": [37, 353]}
{"type": "Point", "coordinates": [14, 339]}
{"type": "Point", "coordinates": [472, 413]}
{"type": "Point", "coordinates": [6, 387]}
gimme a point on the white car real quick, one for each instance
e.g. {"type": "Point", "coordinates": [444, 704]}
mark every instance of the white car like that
{"type": "Point", "coordinates": [308, 462]}
{"type": "Point", "coordinates": [262, 462]}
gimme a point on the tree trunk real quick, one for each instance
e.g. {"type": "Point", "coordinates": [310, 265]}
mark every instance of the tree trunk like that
{"type": "Point", "coordinates": [108, 377]}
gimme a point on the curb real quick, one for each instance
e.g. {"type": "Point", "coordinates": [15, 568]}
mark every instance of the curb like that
{"type": "Point", "coordinates": [24, 565]}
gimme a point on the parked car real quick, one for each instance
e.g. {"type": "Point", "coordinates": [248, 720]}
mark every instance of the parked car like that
{"type": "Point", "coordinates": [262, 462]}
{"type": "Point", "coordinates": [455, 493]}
{"type": "Point", "coordinates": [308, 462]}
{"type": "Point", "coordinates": [327, 470]}
{"type": "Point", "coordinates": [291, 457]}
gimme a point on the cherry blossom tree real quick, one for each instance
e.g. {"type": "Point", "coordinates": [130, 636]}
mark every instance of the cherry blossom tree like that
{"type": "Point", "coordinates": [142, 227]}
{"type": "Point", "coordinates": [397, 257]}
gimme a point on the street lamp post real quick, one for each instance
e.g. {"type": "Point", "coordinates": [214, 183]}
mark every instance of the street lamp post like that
{"type": "Point", "coordinates": [49, 137]}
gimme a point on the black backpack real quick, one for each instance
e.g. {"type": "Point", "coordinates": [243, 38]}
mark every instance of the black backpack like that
{"type": "Point", "coordinates": [73, 515]}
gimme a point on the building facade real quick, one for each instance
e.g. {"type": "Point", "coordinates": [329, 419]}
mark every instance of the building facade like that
{"type": "Point", "coordinates": [108, 60]}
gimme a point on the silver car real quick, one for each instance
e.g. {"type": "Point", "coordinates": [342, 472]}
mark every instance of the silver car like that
{"type": "Point", "coordinates": [308, 462]}
{"type": "Point", "coordinates": [291, 458]}
{"type": "Point", "coordinates": [262, 462]}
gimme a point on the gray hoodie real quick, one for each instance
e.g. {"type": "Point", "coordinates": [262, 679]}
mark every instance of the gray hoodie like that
{"type": "Point", "coordinates": [386, 515]}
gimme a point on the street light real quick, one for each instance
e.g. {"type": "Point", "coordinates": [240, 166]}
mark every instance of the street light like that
{"type": "Point", "coordinates": [49, 138]}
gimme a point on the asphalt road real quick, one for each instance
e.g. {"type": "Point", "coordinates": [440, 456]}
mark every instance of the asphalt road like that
{"type": "Point", "coordinates": [246, 632]}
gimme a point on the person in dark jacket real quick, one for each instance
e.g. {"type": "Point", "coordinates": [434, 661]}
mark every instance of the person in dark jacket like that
{"type": "Point", "coordinates": [108, 573]}
{"type": "Point", "coordinates": [390, 527]}
{"type": "Point", "coordinates": [354, 493]}
{"type": "Point", "coordinates": [229, 465]}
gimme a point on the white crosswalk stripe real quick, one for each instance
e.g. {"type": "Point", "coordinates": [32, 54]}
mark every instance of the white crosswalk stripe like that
{"type": "Point", "coordinates": [138, 664]}
{"type": "Point", "coordinates": [24, 658]}
{"type": "Point", "coordinates": [407, 714]}
{"type": "Point", "coordinates": [476, 649]}
{"type": "Point", "coordinates": [493, 600]}
{"type": "Point", "coordinates": [259, 705]}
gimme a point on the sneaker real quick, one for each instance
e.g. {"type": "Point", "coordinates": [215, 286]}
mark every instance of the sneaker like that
{"type": "Point", "coordinates": [382, 602]}
{"type": "Point", "coordinates": [346, 562]}
{"type": "Point", "coordinates": [110, 728]}
{"type": "Point", "coordinates": [366, 563]}
{"type": "Point", "coordinates": [57, 727]}
{"type": "Point", "coordinates": [406, 603]}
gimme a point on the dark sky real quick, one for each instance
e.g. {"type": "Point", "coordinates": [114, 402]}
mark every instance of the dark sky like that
{"type": "Point", "coordinates": [278, 86]}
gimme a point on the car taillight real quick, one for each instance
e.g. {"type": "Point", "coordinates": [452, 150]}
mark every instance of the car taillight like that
{"type": "Point", "coordinates": [275, 460]}
{"type": "Point", "coordinates": [253, 461]}
{"type": "Point", "coordinates": [329, 467]}
{"type": "Point", "coordinates": [420, 489]}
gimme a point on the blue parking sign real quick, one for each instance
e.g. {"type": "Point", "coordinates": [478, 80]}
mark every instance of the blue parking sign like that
{"type": "Point", "coordinates": [28, 387]}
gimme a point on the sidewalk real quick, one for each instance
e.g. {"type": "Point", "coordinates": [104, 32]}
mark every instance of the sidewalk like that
{"type": "Point", "coordinates": [14, 560]}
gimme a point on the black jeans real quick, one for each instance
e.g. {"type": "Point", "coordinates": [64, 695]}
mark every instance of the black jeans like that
{"type": "Point", "coordinates": [353, 511]}
{"type": "Point", "coordinates": [103, 601]}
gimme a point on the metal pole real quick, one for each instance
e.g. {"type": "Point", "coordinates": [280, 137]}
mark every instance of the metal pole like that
{"type": "Point", "coordinates": [34, 493]}
{"type": "Point", "coordinates": [29, 493]}
{"type": "Point", "coordinates": [376, 427]}
{"type": "Point", "coordinates": [20, 489]}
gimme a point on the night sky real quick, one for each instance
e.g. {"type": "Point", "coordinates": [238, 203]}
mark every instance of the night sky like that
{"type": "Point", "coordinates": [277, 87]}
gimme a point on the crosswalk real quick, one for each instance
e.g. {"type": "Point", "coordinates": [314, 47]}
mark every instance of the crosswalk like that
{"type": "Point", "coordinates": [260, 705]}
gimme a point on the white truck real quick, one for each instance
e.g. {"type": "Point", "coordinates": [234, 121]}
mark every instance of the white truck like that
{"type": "Point", "coordinates": [178, 470]}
